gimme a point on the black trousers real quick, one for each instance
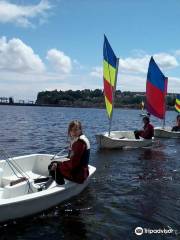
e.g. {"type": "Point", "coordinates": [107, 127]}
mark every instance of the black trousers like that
{"type": "Point", "coordinates": [56, 174]}
{"type": "Point", "coordinates": [136, 134]}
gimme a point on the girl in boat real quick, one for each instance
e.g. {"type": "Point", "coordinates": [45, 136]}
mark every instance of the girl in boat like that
{"type": "Point", "coordinates": [148, 130]}
{"type": "Point", "coordinates": [76, 167]}
{"type": "Point", "coordinates": [177, 127]}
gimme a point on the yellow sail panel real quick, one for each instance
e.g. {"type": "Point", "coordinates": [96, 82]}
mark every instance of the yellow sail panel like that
{"type": "Point", "coordinates": [108, 107]}
{"type": "Point", "coordinates": [109, 73]}
{"type": "Point", "coordinates": [177, 101]}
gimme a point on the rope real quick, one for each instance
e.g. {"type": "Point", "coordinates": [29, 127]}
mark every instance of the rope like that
{"type": "Point", "coordinates": [13, 165]}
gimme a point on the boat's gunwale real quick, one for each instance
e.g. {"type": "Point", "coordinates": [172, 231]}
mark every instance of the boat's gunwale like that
{"type": "Point", "coordinates": [168, 133]}
{"type": "Point", "coordinates": [105, 135]}
{"type": "Point", "coordinates": [43, 193]}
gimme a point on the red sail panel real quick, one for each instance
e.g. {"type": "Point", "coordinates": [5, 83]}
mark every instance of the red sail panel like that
{"type": "Point", "coordinates": [155, 101]}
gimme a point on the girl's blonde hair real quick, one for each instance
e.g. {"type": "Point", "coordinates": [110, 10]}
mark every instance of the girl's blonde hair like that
{"type": "Point", "coordinates": [76, 124]}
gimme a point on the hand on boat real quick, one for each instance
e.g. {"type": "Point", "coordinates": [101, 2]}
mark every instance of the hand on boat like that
{"type": "Point", "coordinates": [54, 166]}
{"type": "Point", "coordinates": [64, 159]}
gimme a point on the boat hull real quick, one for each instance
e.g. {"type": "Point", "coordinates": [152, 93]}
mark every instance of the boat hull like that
{"type": "Point", "coordinates": [32, 203]}
{"type": "Point", "coordinates": [121, 139]}
{"type": "Point", "coordinates": [165, 133]}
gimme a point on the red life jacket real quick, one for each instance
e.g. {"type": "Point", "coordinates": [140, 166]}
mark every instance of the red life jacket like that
{"type": "Point", "coordinates": [76, 169]}
{"type": "Point", "coordinates": [148, 131]}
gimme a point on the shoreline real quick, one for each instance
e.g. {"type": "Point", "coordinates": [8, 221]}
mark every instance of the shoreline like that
{"type": "Point", "coordinates": [74, 106]}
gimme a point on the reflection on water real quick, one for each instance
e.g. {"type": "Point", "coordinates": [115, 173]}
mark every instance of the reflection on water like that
{"type": "Point", "coordinates": [66, 221]}
{"type": "Point", "coordinates": [139, 187]}
{"type": "Point", "coordinates": [153, 172]}
{"type": "Point", "coordinates": [153, 165]}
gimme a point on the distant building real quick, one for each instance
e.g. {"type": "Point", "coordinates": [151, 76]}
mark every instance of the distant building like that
{"type": "Point", "coordinates": [4, 100]}
{"type": "Point", "coordinates": [11, 100]}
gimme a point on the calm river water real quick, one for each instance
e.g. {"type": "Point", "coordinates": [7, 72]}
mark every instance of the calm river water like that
{"type": "Point", "coordinates": [131, 188]}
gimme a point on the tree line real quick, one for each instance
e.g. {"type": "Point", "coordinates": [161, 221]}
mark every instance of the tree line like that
{"type": "Point", "coordinates": [94, 98]}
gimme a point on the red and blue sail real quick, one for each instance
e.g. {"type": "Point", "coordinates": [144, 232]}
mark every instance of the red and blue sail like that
{"type": "Point", "coordinates": [156, 90]}
{"type": "Point", "coordinates": [177, 103]}
{"type": "Point", "coordinates": [110, 69]}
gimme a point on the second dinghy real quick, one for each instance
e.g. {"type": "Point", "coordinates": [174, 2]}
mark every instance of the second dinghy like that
{"type": "Point", "coordinates": [114, 139]}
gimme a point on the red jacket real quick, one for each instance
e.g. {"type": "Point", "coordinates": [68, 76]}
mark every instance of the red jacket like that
{"type": "Point", "coordinates": [76, 169]}
{"type": "Point", "coordinates": [148, 131]}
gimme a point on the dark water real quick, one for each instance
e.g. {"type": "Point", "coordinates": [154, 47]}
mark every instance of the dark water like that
{"type": "Point", "coordinates": [131, 188]}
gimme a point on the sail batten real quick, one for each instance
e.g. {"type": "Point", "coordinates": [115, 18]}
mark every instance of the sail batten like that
{"type": "Point", "coordinates": [110, 68]}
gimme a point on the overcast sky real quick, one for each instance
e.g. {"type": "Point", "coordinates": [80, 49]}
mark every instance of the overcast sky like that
{"type": "Point", "coordinates": [58, 44]}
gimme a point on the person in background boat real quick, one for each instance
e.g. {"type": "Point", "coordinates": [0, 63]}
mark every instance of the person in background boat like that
{"type": "Point", "coordinates": [148, 114]}
{"type": "Point", "coordinates": [75, 168]}
{"type": "Point", "coordinates": [148, 130]}
{"type": "Point", "coordinates": [177, 127]}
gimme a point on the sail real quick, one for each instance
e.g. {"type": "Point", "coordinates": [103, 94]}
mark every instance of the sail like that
{"type": "Point", "coordinates": [177, 103]}
{"type": "Point", "coordinates": [110, 69]}
{"type": "Point", "coordinates": [142, 105]}
{"type": "Point", "coordinates": [156, 90]}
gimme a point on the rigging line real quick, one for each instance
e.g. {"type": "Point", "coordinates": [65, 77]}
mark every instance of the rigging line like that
{"type": "Point", "coordinates": [16, 168]}
{"type": "Point", "coordinates": [57, 154]}
{"type": "Point", "coordinates": [16, 165]}
{"type": "Point", "coordinates": [13, 166]}
{"type": "Point", "coordinates": [60, 152]}
{"type": "Point", "coordinates": [10, 164]}
{"type": "Point", "coordinates": [20, 169]}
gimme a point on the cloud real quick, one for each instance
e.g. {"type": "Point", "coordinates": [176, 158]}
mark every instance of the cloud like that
{"type": "Point", "coordinates": [59, 61]}
{"type": "Point", "coordinates": [140, 65]}
{"type": "Point", "coordinates": [166, 61]}
{"type": "Point", "coordinates": [17, 56]}
{"type": "Point", "coordinates": [133, 65]}
{"type": "Point", "coordinates": [97, 72]}
{"type": "Point", "coordinates": [177, 52]}
{"type": "Point", "coordinates": [173, 84]}
{"type": "Point", "coordinates": [77, 65]}
{"type": "Point", "coordinates": [22, 15]}
{"type": "Point", "coordinates": [131, 83]}
{"type": "Point", "coordinates": [133, 72]}
{"type": "Point", "coordinates": [24, 74]}
{"type": "Point", "coordinates": [26, 86]}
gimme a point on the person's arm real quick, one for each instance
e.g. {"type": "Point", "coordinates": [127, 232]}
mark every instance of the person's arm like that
{"type": "Point", "coordinates": [173, 129]}
{"type": "Point", "coordinates": [78, 149]}
{"type": "Point", "coordinates": [147, 133]}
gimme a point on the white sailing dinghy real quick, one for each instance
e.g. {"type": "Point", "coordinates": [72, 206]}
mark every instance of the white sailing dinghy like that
{"type": "Point", "coordinates": [165, 132]}
{"type": "Point", "coordinates": [114, 139]}
{"type": "Point", "coordinates": [156, 90]}
{"type": "Point", "coordinates": [24, 190]}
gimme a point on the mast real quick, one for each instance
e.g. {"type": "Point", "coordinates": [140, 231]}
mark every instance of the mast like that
{"type": "Point", "coordinates": [114, 92]}
{"type": "Point", "coordinates": [165, 93]}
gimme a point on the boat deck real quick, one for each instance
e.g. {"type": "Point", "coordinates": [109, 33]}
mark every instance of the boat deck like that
{"type": "Point", "coordinates": [29, 174]}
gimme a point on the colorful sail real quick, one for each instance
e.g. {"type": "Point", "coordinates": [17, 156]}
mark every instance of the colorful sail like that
{"type": "Point", "coordinates": [110, 69]}
{"type": "Point", "coordinates": [156, 90]}
{"type": "Point", "coordinates": [177, 103]}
